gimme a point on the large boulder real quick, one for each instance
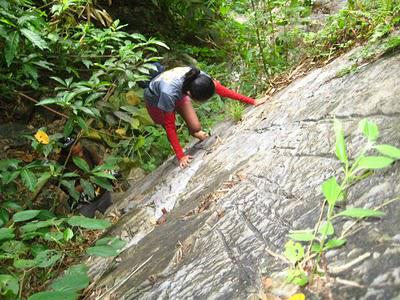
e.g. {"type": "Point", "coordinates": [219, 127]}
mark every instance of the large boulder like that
{"type": "Point", "coordinates": [217, 229]}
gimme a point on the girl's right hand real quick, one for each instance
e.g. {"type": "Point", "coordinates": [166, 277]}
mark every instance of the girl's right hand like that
{"type": "Point", "coordinates": [201, 135]}
{"type": "Point", "coordinates": [184, 161]}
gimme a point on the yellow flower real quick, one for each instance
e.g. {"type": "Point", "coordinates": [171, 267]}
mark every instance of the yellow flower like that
{"type": "Point", "coordinates": [42, 137]}
{"type": "Point", "coordinates": [299, 296]}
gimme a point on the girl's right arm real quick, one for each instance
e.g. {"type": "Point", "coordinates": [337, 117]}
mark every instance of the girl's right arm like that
{"type": "Point", "coordinates": [170, 128]}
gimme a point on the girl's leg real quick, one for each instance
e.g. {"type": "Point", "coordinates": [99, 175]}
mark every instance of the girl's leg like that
{"type": "Point", "coordinates": [185, 108]}
{"type": "Point", "coordinates": [156, 114]}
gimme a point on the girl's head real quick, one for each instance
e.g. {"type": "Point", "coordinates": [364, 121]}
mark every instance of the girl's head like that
{"type": "Point", "coordinates": [198, 85]}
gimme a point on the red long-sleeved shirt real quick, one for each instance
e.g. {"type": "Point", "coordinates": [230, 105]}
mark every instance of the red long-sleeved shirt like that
{"type": "Point", "coordinates": [169, 117]}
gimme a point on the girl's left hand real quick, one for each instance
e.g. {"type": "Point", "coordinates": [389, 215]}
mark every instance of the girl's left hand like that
{"type": "Point", "coordinates": [261, 100]}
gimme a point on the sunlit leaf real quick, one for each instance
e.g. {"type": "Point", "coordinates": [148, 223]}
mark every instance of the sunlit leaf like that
{"type": "Point", "coordinates": [326, 229]}
{"type": "Point", "coordinates": [334, 244]}
{"type": "Point", "coordinates": [388, 150]}
{"type": "Point", "coordinates": [301, 235]}
{"type": "Point", "coordinates": [369, 129]}
{"type": "Point", "coordinates": [360, 213]}
{"type": "Point", "coordinates": [68, 234]}
{"type": "Point", "coordinates": [294, 251]}
{"type": "Point", "coordinates": [340, 143]}
{"type": "Point", "coordinates": [332, 191]}
{"type": "Point", "coordinates": [297, 277]}
{"type": "Point", "coordinates": [374, 162]}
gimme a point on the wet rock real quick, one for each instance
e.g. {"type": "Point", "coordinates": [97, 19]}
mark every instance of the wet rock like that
{"type": "Point", "coordinates": [228, 214]}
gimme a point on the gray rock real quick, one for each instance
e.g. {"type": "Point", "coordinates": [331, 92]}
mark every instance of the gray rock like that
{"type": "Point", "coordinates": [249, 185]}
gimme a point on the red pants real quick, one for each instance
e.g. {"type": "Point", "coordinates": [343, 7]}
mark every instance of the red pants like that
{"type": "Point", "coordinates": [157, 114]}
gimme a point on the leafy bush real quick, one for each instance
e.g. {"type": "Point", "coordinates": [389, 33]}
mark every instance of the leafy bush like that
{"type": "Point", "coordinates": [33, 241]}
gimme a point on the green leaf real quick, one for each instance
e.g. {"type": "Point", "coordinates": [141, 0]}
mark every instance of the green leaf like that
{"type": "Point", "coordinates": [81, 163]}
{"type": "Point", "coordinates": [297, 277]}
{"type": "Point", "coordinates": [12, 43]}
{"type": "Point", "coordinates": [6, 234]}
{"type": "Point", "coordinates": [369, 129]}
{"type": "Point", "coordinates": [32, 226]}
{"type": "Point", "coordinates": [87, 188]}
{"type": "Point", "coordinates": [47, 258]}
{"type": "Point", "coordinates": [25, 215]}
{"type": "Point", "coordinates": [10, 176]}
{"type": "Point", "coordinates": [334, 244]}
{"type": "Point", "coordinates": [82, 123]}
{"type": "Point", "coordinates": [68, 127]}
{"type": "Point", "coordinates": [54, 295]}
{"type": "Point", "coordinates": [48, 101]}
{"type": "Point", "coordinates": [53, 236]}
{"type": "Point", "coordinates": [68, 234]}
{"type": "Point", "coordinates": [104, 175]}
{"type": "Point", "coordinates": [12, 205]}
{"type": "Point", "coordinates": [159, 43]}
{"type": "Point", "coordinates": [374, 162]}
{"type": "Point", "coordinates": [24, 263]}
{"type": "Point", "coordinates": [326, 229]}
{"type": "Point", "coordinates": [103, 251]}
{"type": "Point", "coordinates": [114, 242]}
{"type": "Point", "coordinates": [388, 150]}
{"type": "Point", "coordinates": [70, 174]}
{"type": "Point", "coordinates": [35, 38]}
{"type": "Point", "coordinates": [70, 185]}
{"type": "Point", "coordinates": [103, 182]}
{"type": "Point", "coordinates": [316, 248]}
{"type": "Point", "coordinates": [301, 235]}
{"type": "Point", "coordinates": [332, 191]}
{"type": "Point", "coordinates": [294, 252]}
{"type": "Point", "coordinates": [4, 216]}
{"type": "Point", "coordinates": [9, 163]}
{"type": "Point", "coordinates": [28, 179]}
{"type": "Point", "coordinates": [340, 143]}
{"type": "Point", "coordinates": [360, 213]}
{"type": "Point", "coordinates": [73, 280]}
{"type": "Point", "coordinates": [89, 223]}
{"type": "Point", "coordinates": [14, 247]}
{"type": "Point", "coordinates": [8, 284]}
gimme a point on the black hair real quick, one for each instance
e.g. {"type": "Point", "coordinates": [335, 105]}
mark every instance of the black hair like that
{"type": "Point", "coordinates": [200, 85]}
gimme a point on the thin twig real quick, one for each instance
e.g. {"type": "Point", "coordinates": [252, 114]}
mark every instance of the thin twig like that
{"type": "Point", "coordinates": [316, 228]}
{"type": "Point", "coordinates": [342, 268]}
{"type": "Point", "coordinates": [46, 107]}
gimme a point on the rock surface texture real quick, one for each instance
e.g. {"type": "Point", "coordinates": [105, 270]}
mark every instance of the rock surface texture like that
{"type": "Point", "coordinates": [228, 214]}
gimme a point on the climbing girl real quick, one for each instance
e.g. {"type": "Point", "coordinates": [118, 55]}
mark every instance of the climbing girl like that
{"type": "Point", "coordinates": [173, 90]}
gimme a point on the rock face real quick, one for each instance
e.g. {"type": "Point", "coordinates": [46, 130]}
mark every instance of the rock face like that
{"type": "Point", "coordinates": [249, 185]}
